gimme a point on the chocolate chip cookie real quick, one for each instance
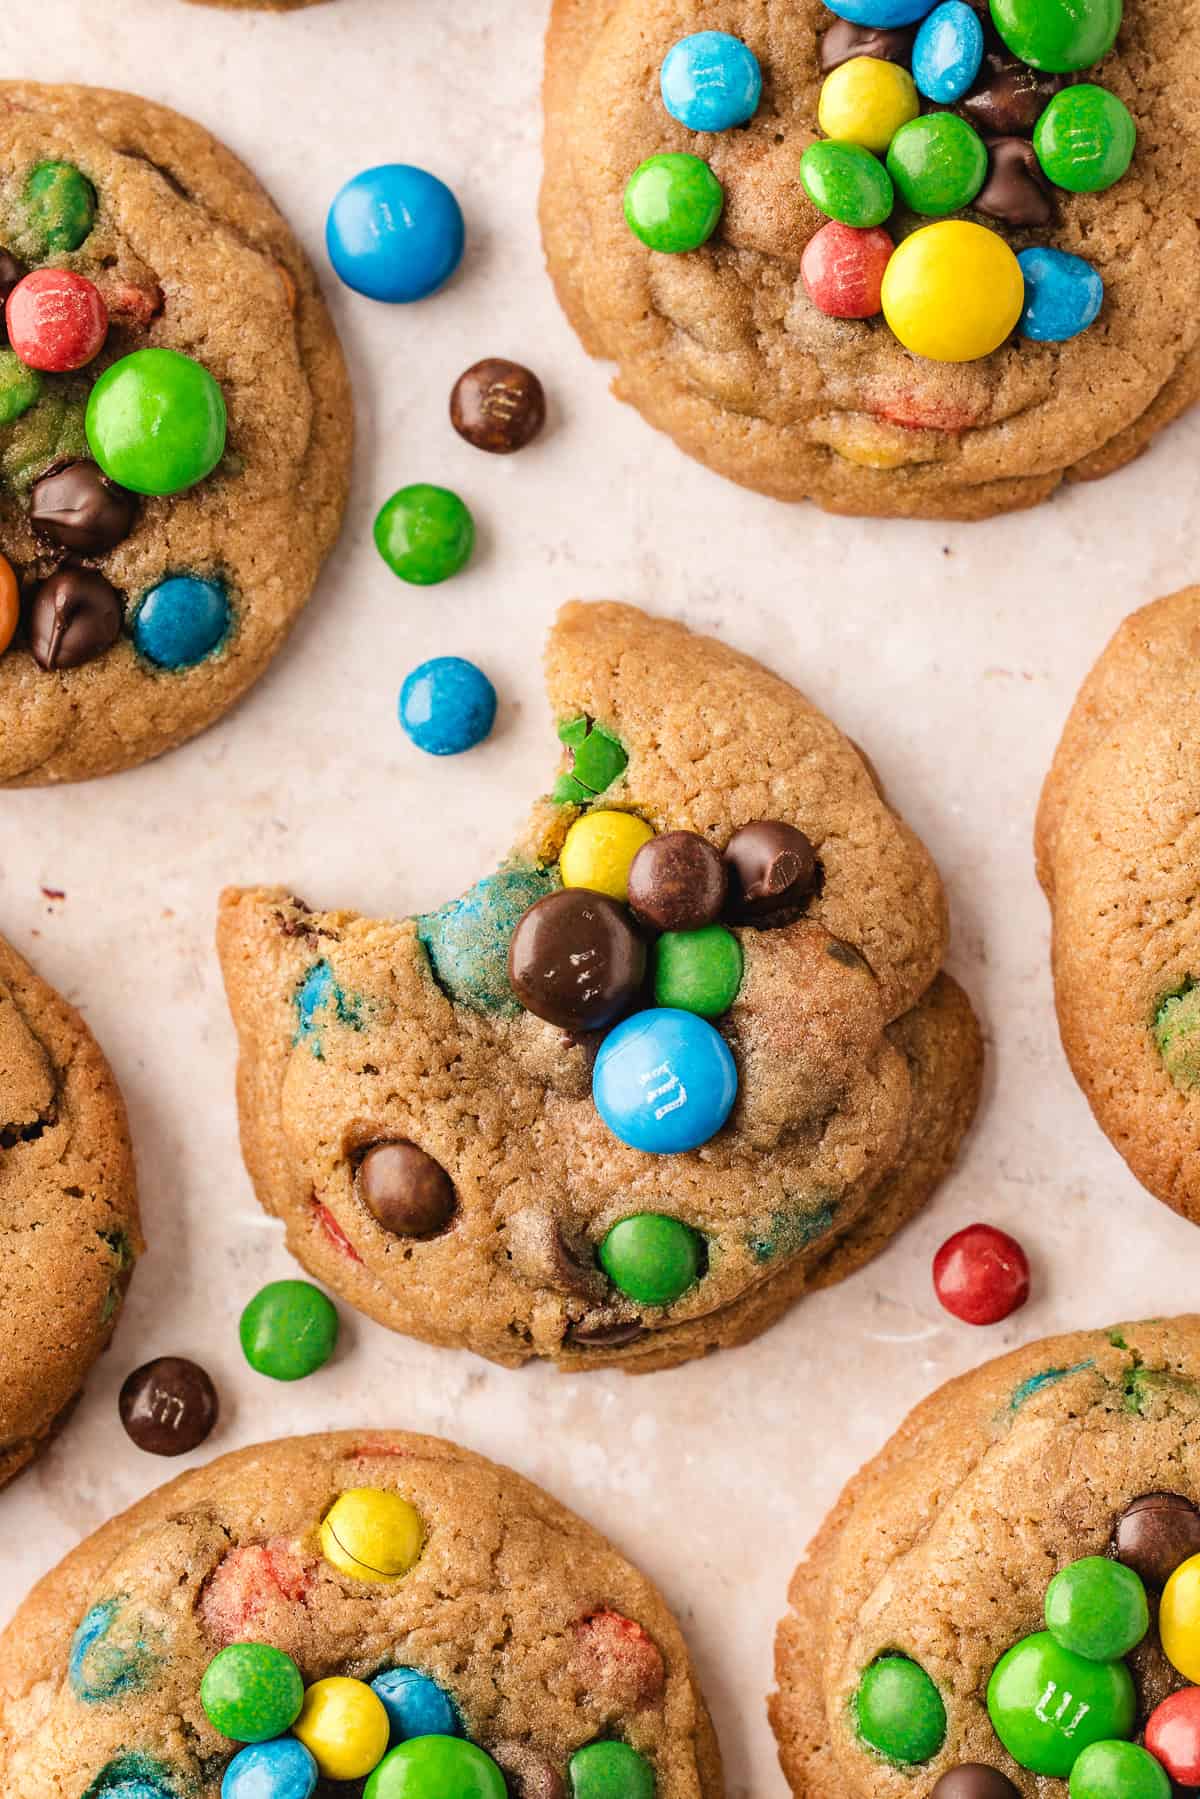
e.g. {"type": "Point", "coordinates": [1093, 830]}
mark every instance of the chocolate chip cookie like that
{"type": "Point", "coordinates": [1008, 1586]}
{"type": "Point", "coordinates": [685, 1056]}
{"type": "Point", "coordinates": [175, 431]}
{"type": "Point", "coordinates": [718, 339]}
{"type": "Point", "coordinates": [68, 1211]}
{"type": "Point", "coordinates": [492, 1635]}
{"type": "Point", "coordinates": [1116, 853]}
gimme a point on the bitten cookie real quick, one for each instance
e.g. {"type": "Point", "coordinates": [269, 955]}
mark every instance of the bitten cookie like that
{"type": "Point", "coordinates": [1117, 847]}
{"type": "Point", "coordinates": [743, 311]}
{"type": "Point", "coordinates": [685, 1056]}
{"type": "Point", "coordinates": [503, 1640]}
{"type": "Point", "coordinates": [175, 430]}
{"type": "Point", "coordinates": [993, 1604]}
{"type": "Point", "coordinates": [68, 1212]}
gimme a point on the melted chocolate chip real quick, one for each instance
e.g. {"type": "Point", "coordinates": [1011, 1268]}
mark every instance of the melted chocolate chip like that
{"type": "Point", "coordinates": [405, 1190]}
{"type": "Point", "coordinates": [1015, 192]}
{"type": "Point", "coordinates": [79, 509]}
{"type": "Point", "coordinates": [528, 1774]}
{"type": "Point", "coordinates": [545, 1254]}
{"type": "Point", "coordinates": [75, 616]}
{"type": "Point", "coordinates": [974, 1780]}
{"type": "Point", "coordinates": [605, 1330]}
{"type": "Point", "coordinates": [843, 41]}
{"type": "Point", "coordinates": [11, 271]}
{"type": "Point", "coordinates": [1009, 97]}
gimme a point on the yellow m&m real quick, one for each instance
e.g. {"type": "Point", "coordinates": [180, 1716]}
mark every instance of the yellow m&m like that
{"type": "Point", "coordinates": [953, 292]}
{"type": "Point", "coordinates": [599, 849]}
{"type": "Point", "coordinates": [344, 1727]}
{"type": "Point", "coordinates": [1179, 1619]}
{"type": "Point", "coordinates": [371, 1534]}
{"type": "Point", "coordinates": [866, 101]}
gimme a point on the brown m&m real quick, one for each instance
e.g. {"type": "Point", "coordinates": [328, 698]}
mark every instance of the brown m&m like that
{"type": "Point", "coordinates": [168, 1406]}
{"type": "Point", "coordinates": [405, 1190]}
{"type": "Point", "coordinates": [498, 406]}
{"type": "Point", "coordinates": [845, 40]}
{"type": "Point", "coordinates": [772, 870]}
{"type": "Point", "coordinates": [77, 508]}
{"type": "Point", "coordinates": [76, 615]}
{"type": "Point", "coordinates": [1015, 192]}
{"type": "Point", "coordinates": [1155, 1533]}
{"type": "Point", "coordinates": [677, 882]}
{"type": "Point", "coordinates": [974, 1780]}
{"type": "Point", "coordinates": [576, 960]}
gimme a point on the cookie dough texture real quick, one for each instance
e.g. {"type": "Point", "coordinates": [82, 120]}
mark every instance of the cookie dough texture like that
{"type": "Point", "coordinates": [1118, 841]}
{"type": "Point", "coordinates": [943, 1546]}
{"type": "Point", "coordinates": [859, 1062]}
{"type": "Point", "coordinates": [68, 1211]}
{"type": "Point", "coordinates": [190, 255]}
{"type": "Point", "coordinates": [722, 348]}
{"type": "Point", "coordinates": [510, 1606]}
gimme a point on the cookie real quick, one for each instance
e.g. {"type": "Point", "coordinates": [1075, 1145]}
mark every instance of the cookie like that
{"type": "Point", "coordinates": [687, 1055]}
{"type": "Point", "coordinates": [934, 1643]}
{"type": "Point", "coordinates": [1116, 854]}
{"type": "Point", "coordinates": [724, 347]}
{"type": "Point", "coordinates": [501, 1621]}
{"type": "Point", "coordinates": [174, 468]}
{"type": "Point", "coordinates": [68, 1211]}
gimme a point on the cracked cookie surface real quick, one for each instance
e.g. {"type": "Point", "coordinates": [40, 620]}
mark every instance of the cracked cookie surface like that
{"type": "Point", "coordinates": [858, 1061]}
{"type": "Point", "coordinates": [722, 348]}
{"type": "Point", "coordinates": [189, 255]}
{"type": "Point", "coordinates": [68, 1211]}
{"type": "Point", "coordinates": [542, 1636]}
{"type": "Point", "coordinates": [1118, 840]}
{"type": "Point", "coordinates": [941, 1549]}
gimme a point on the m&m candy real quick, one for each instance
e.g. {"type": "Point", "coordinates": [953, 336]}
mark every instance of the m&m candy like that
{"type": "Point", "coordinates": [279, 1769]}
{"type": "Point", "coordinates": [664, 1081]}
{"type": "Point", "coordinates": [1085, 139]}
{"type": "Point", "coordinates": [948, 52]}
{"type": "Point", "coordinates": [865, 101]}
{"type": "Point", "coordinates": [59, 204]}
{"type": "Point", "coordinates": [899, 1711]}
{"type": "Point", "coordinates": [652, 1259]}
{"type": "Point", "coordinates": [1047, 1704]}
{"type": "Point", "coordinates": [1173, 1736]}
{"type": "Point", "coordinates": [425, 533]}
{"type": "Point", "coordinates": [344, 1727]}
{"type": "Point", "coordinates": [416, 1705]}
{"type": "Point", "coordinates": [1179, 1619]}
{"type": "Point", "coordinates": [880, 15]}
{"type": "Point", "coordinates": [610, 1770]}
{"type": "Point", "coordinates": [673, 202]}
{"type": "Point", "coordinates": [847, 183]}
{"type": "Point", "coordinates": [395, 233]}
{"type": "Point", "coordinates": [447, 705]}
{"type": "Point", "coordinates": [1063, 295]}
{"type": "Point", "coordinates": [981, 1275]}
{"type": "Point", "coordinates": [156, 422]}
{"type": "Point", "coordinates": [372, 1534]}
{"type": "Point", "coordinates": [56, 320]}
{"type": "Point", "coordinates": [181, 621]}
{"type": "Point", "coordinates": [1097, 1608]}
{"type": "Point", "coordinates": [288, 1330]}
{"type": "Point", "coordinates": [20, 387]}
{"type": "Point", "coordinates": [10, 603]}
{"type": "Point", "coordinates": [1118, 1771]}
{"type": "Point", "coordinates": [598, 851]}
{"type": "Point", "coordinates": [1060, 36]}
{"type": "Point", "coordinates": [937, 163]}
{"type": "Point", "coordinates": [953, 291]}
{"type": "Point", "coordinates": [436, 1768]}
{"type": "Point", "coordinates": [711, 81]}
{"type": "Point", "coordinates": [251, 1692]}
{"type": "Point", "coordinates": [698, 971]}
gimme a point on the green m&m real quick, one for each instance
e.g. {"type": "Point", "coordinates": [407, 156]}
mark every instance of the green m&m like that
{"type": "Point", "coordinates": [698, 971]}
{"type": "Point", "coordinates": [425, 534]}
{"type": "Point", "coordinates": [673, 202]}
{"type": "Point", "coordinates": [60, 207]}
{"type": "Point", "coordinates": [1060, 36]}
{"type": "Point", "coordinates": [251, 1692]}
{"type": "Point", "coordinates": [156, 422]}
{"type": "Point", "coordinates": [847, 183]}
{"type": "Point", "coordinates": [20, 387]}
{"type": "Point", "coordinates": [436, 1767]}
{"type": "Point", "coordinates": [1177, 1035]}
{"type": "Point", "coordinates": [1085, 139]}
{"type": "Point", "coordinates": [288, 1330]}
{"type": "Point", "coordinates": [610, 1770]}
{"type": "Point", "coordinates": [651, 1259]}
{"type": "Point", "coordinates": [937, 163]}
{"type": "Point", "coordinates": [1097, 1608]}
{"type": "Point", "coordinates": [1118, 1771]}
{"type": "Point", "coordinates": [898, 1710]}
{"type": "Point", "coordinates": [597, 758]}
{"type": "Point", "coordinates": [1047, 1704]}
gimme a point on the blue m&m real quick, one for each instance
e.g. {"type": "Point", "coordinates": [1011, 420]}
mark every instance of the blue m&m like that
{"type": "Point", "coordinates": [416, 1705]}
{"type": "Point", "coordinates": [181, 621]}
{"type": "Point", "coordinates": [948, 52]}
{"type": "Point", "coordinates": [664, 1081]}
{"type": "Point", "coordinates": [1063, 295]}
{"type": "Point", "coordinates": [395, 233]}
{"type": "Point", "coordinates": [447, 705]}
{"type": "Point", "coordinates": [883, 14]}
{"type": "Point", "coordinates": [711, 81]}
{"type": "Point", "coordinates": [280, 1769]}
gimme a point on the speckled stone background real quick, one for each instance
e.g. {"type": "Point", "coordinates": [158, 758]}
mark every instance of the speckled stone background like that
{"type": "Point", "coordinates": [951, 653]}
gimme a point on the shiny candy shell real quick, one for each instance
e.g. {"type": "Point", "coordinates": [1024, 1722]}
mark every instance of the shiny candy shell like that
{"type": "Point", "coordinates": [344, 1727]}
{"type": "Point", "coordinates": [610, 1770]}
{"type": "Point", "coordinates": [865, 101]}
{"type": "Point", "coordinates": [673, 202]}
{"type": "Point", "coordinates": [395, 233]}
{"type": "Point", "coordinates": [1097, 1608]}
{"type": "Point", "coordinates": [251, 1692]}
{"type": "Point", "coordinates": [436, 1768]}
{"type": "Point", "coordinates": [842, 270]}
{"type": "Point", "coordinates": [56, 320]}
{"type": "Point", "coordinates": [1118, 1771]}
{"type": "Point", "coordinates": [1061, 36]}
{"type": "Point", "coordinates": [416, 1705]}
{"type": "Point", "coordinates": [598, 852]}
{"type": "Point", "coordinates": [1063, 295]}
{"type": "Point", "coordinates": [953, 291]}
{"type": "Point", "coordinates": [181, 621]}
{"type": "Point", "coordinates": [1173, 1735]}
{"type": "Point", "coordinates": [847, 183]}
{"type": "Point", "coordinates": [652, 1259]}
{"type": "Point", "coordinates": [447, 705]}
{"type": "Point", "coordinates": [372, 1534]}
{"type": "Point", "coordinates": [10, 603]}
{"type": "Point", "coordinates": [280, 1769]}
{"type": "Point", "coordinates": [948, 52]}
{"type": "Point", "coordinates": [883, 14]}
{"type": "Point", "coordinates": [1085, 139]}
{"type": "Point", "coordinates": [664, 1081]}
{"type": "Point", "coordinates": [711, 81]}
{"type": "Point", "coordinates": [156, 422]}
{"type": "Point", "coordinates": [1047, 1704]}
{"type": "Point", "coordinates": [937, 163]}
{"type": "Point", "coordinates": [899, 1711]}
{"type": "Point", "coordinates": [1179, 1619]}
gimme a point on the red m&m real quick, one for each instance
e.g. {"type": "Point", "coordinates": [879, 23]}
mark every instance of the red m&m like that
{"type": "Point", "coordinates": [56, 320]}
{"type": "Point", "coordinates": [1173, 1736]}
{"type": "Point", "coordinates": [981, 1274]}
{"type": "Point", "coordinates": [842, 269]}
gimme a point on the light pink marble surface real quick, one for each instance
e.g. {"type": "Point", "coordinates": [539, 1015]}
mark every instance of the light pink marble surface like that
{"type": "Point", "coordinates": [950, 652]}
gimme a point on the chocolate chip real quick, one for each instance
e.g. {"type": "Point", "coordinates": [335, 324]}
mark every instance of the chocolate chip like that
{"type": "Point", "coordinates": [677, 882]}
{"type": "Point", "coordinates": [974, 1780]}
{"type": "Point", "coordinates": [405, 1190]}
{"type": "Point", "coordinates": [1155, 1533]}
{"type": "Point", "coordinates": [528, 1774]}
{"type": "Point", "coordinates": [843, 41]}
{"type": "Point", "coordinates": [168, 1406]}
{"type": "Point", "coordinates": [547, 1255]}
{"type": "Point", "coordinates": [605, 1330]}
{"type": "Point", "coordinates": [575, 960]}
{"type": "Point", "coordinates": [1015, 192]}
{"type": "Point", "coordinates": [772, 869]}
{"type": "Point", "coordinates": [498, 406]}
{"type": "Point", "coordinates": [76, 615]}
{"type": "Point", "coordinates": [80, 509]}
{"type": "Point", "coordinates": [11, 271]}
{"type": "Point", "coordinates": [1009, 97]}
